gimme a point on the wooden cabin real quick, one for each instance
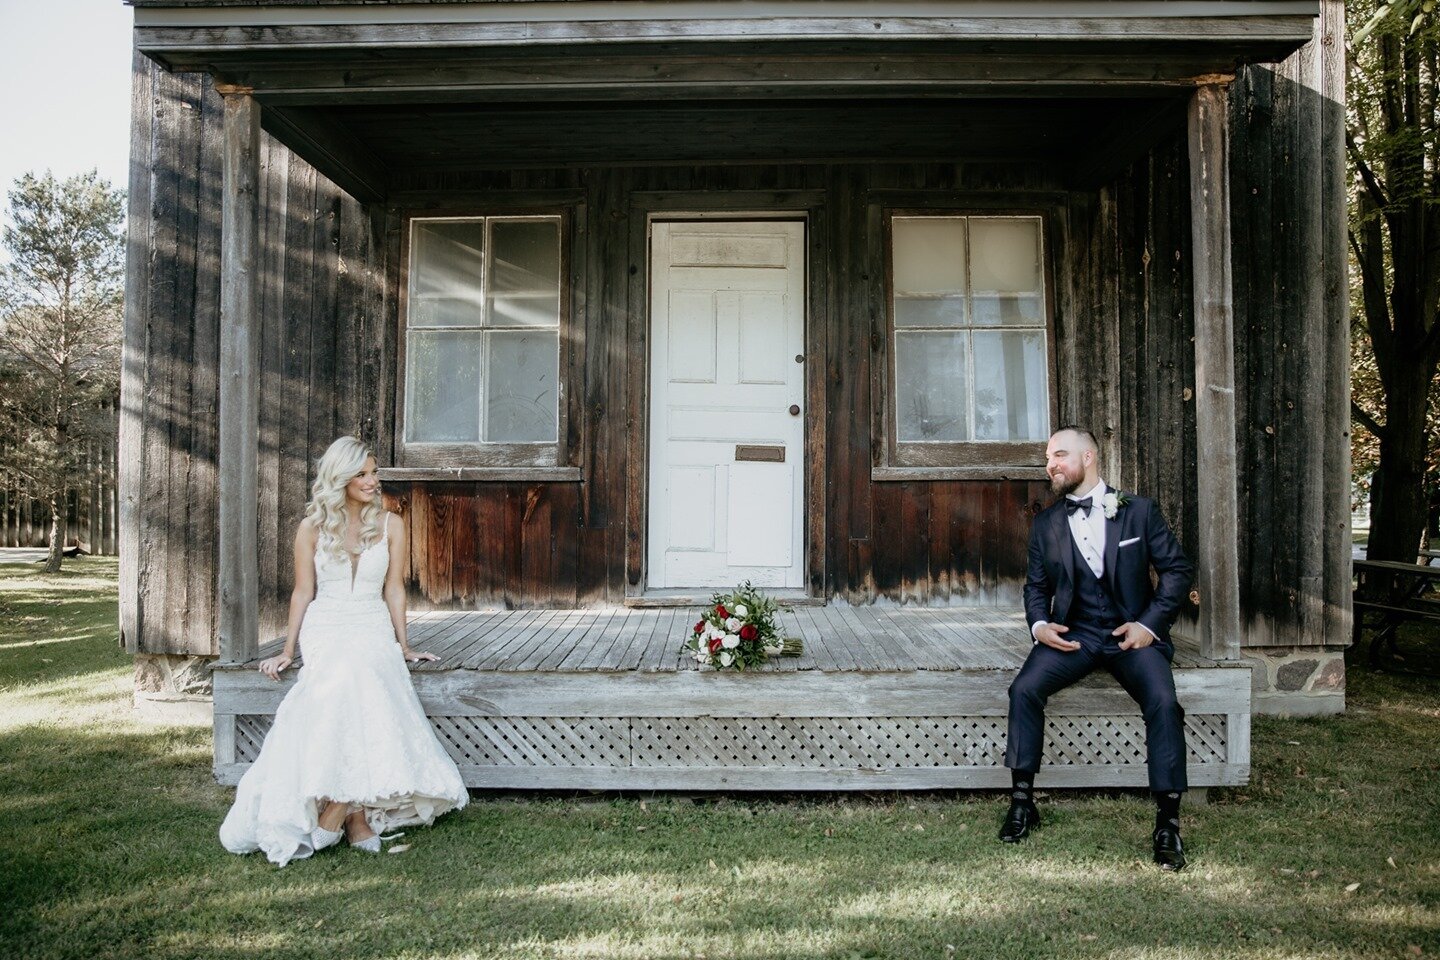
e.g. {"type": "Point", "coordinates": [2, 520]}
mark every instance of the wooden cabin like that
{"type": "Point", "coordinates": [637, 300]}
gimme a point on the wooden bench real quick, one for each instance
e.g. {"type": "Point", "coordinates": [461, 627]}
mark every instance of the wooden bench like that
{"type": "Point", "coordinates": [1396, 592]}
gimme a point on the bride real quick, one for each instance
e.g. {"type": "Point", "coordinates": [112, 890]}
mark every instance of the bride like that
{"type": "Point", "coordinates": [350, 753]}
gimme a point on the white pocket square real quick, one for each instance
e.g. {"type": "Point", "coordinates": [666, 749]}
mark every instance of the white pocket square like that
{"type": "Point", "coordinates": [1126, 543]}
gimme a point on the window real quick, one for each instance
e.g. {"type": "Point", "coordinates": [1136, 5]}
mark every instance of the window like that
{"type": "Point", "coordinates": [483, 315]}
{"type": "Point", "coordinates": [969, 373]}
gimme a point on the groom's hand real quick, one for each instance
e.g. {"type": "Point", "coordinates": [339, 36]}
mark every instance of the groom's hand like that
{"type": "Point", "coordinates": [1051, 636]}
{"type": "Point", "coordinates": [1133, 636]}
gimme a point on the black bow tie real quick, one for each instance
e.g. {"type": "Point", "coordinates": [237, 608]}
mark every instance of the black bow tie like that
{"type": "Point", "coordinates": [1072, 505]}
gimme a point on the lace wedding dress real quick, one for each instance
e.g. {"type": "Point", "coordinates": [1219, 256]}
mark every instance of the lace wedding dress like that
{"type": "Point", "coordinates": [352, 729]}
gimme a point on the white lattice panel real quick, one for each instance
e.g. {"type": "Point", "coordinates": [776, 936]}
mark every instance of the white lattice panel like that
{"type": "Point", "coordinates": [1085, 741]}
{"type": "Point", "coordinates": [817, 742]}
{"type": "Point", "coordinates": [536, 741]}
{"type": "Point", "coordinates": [250, 731]}
{"type": "Point", "coordinates": [875, 743]}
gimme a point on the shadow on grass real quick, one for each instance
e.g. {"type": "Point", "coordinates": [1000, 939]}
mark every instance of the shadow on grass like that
{"type": "Point", "coordinates": [117, 856]}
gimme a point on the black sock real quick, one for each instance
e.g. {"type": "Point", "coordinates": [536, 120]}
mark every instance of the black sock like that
{"type": "Point", "coordinates": [1167, 809]}
{"type": "Point", "coordinates": [1022, 786]}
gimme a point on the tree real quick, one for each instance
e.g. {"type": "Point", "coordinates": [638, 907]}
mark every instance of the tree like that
{"type": "Point", "coordinates": [60, 329]}
{"type": "Point", "coordinates": [1393, 142]}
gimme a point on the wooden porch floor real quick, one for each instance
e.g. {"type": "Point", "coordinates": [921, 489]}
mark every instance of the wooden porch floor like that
{"type": "Point", "coordinates": [836, 638]}
{"type": "Point", "coordinates": [883, 698]}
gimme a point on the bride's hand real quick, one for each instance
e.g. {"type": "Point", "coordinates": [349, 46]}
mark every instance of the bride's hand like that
{"type": "Point", "coordinates": [418, 656]}
{"type": "Point", "coordinates": [272, 667]}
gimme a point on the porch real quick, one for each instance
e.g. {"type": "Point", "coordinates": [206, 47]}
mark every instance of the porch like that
{"type": "Point", "coordinates": [883, 697]}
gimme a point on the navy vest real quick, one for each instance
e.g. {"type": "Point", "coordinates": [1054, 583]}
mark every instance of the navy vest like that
{"type": "Point", "coordinates": [1093, 604]}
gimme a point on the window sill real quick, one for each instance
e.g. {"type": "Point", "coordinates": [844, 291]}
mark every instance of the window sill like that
{"type": "Point", "coordinates": [517, 474]}
{"type": "Point", "coordinates": [979, 472]}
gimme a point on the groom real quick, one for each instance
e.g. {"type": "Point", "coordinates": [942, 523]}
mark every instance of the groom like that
{"type": "Point", "coordinates": [1090, 604]}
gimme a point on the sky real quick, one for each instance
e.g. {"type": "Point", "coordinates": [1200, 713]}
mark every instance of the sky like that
{"type": "Point", "coordinates": [65, 70]}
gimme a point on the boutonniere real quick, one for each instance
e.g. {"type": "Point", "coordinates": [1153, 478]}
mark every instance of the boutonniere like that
{"type": "Point", "coordinates": [1112, 502]}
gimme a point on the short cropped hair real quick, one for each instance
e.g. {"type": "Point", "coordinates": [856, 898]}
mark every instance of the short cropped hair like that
{"type": "Point", "coordinates": [1085, 435]}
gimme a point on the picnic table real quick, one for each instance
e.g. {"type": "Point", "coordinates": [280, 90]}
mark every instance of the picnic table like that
{"type": "Point", "coordinates": [1394, 592]}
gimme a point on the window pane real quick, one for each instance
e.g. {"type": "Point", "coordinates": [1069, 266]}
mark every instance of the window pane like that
{"type": "Point", "coordinates": [525, 273]}
{"type": "Point", "coordinates": [929, 311]}
{"type": "Point", "coordinates": [1011, 390]}
{"type": "Point", "coordinates": [522, 401]}
{"type": "Point", "coordinates": [929, 256]}
{"type": "Point", "coordinates": [1007, 310]}
{"type": "Point", "coordinates": [1005, 255]}
{"type": "Point", "coordinates": [930, 387]}
{"type": "Point", "coordinates": [442, 380]}
{"type": "Point", "coordinates": [446, 267]}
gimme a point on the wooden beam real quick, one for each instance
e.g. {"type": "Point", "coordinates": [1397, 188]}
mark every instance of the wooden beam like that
{"type": "Point", "coordinates": [1218, 579]}
{"type": "Point", "coordinates": [239, 381]}
{"type": "Point", "coordinates": [762, 70]}
{"type": "Point", "coordinates": [330, 147]}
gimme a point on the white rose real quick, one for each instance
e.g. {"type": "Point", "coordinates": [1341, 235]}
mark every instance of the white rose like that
{"type": "Point", "coordinates": [732, 624]}
{"type": "Point", "coordinates": [730, 642]}
{"type": "Point", "coordinates": [726, 658]}
{"type": "Point", "coordinates": [1111, 504]}
{"type": "Point", "coordinates": [712, 631]}
{"type": "Point", "coordinates": [742, 611]}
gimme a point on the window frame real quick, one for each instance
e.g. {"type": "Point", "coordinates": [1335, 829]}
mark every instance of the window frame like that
{"type": "Point", "coordinates": [971, 459]}
{"type": "Point", "coordinates": [540, 460]}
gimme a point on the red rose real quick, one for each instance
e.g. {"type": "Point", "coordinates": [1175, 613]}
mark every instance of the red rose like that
{"type": "Point", "coordinates": [700, 626]}
{"type": "Point", "coordinates": [715, 645]}
{"type": "Point", "coordinates": [749, 632]}
{"type": "Point", "coordinates": [720, 609]}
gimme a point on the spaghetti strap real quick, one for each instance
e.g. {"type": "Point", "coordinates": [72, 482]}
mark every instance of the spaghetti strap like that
{"type": "Point", "coordinates": [385, 527]}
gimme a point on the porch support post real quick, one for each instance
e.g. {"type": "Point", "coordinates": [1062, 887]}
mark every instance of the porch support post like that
{"type": "Point", "coordinates": [239, 575]}
{"type": "Point", "coordinates": [1219, 580]}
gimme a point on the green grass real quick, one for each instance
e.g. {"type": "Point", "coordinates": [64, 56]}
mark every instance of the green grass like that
{"type": "Point", "coordinates": [108, 848]}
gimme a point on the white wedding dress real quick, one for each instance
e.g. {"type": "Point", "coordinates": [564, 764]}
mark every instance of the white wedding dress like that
{"type": "Point", "coordinates": [351, 730]}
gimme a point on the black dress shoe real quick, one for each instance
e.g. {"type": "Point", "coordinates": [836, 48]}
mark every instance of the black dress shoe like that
{"type": "Point", "coordinates": [1019, 821]}
{"type": "Point", "coordinates": [1169, 852]}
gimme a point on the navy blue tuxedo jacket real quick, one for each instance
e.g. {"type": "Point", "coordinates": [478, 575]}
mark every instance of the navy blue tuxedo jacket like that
{"type": "Point", "coordinates": [1050, 579]}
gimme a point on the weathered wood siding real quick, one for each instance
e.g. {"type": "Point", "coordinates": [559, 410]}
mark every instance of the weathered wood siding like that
{"type": "Point", "coordinates": [1292, 338]}
{"type": "Point", "coordinates": [320, 290]}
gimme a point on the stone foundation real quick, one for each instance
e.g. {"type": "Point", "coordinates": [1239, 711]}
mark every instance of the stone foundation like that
{"type": "Point", "coordinates": [1297, 681]}
{"type": "Point", "coordinates": [171, 688]}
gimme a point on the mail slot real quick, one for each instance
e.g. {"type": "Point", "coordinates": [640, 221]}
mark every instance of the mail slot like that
{"type": "Point", "coordinates": [765, 454]}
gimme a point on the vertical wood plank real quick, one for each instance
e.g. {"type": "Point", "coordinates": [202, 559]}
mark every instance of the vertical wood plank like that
{"type": "Point", "coordinates": [130, 458]}
{"type": "Point", "coordinates": [1214, 371]}
{"type": "Point", "coordinates": [239, 383]}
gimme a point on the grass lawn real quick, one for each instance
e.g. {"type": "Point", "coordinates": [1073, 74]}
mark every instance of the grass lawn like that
{"type": "Point", "coordinates": [108, 848]}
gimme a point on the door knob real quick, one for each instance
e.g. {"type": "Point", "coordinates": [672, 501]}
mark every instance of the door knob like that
{"type": "Point", "coordinates": [794, 409]}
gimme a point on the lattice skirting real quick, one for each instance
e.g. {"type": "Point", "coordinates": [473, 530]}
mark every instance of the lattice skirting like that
{"type": "Point", "coordinates": [791, 743]}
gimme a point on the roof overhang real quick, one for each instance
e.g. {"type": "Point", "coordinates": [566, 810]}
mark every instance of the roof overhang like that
{"type": "Point", "coordinates": [327, 52]}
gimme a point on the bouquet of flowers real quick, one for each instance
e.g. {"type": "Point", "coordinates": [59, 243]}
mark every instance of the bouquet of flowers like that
{"type": "Point", "coordinates": [739, 630]}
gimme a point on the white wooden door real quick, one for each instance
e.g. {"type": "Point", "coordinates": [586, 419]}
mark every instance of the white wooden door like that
{"type": "Point", "coordinates": [727, 391]}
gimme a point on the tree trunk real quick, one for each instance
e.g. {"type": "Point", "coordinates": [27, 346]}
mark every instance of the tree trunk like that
{"type": "Point", "coordinates": [1398, 503]}
{"type": "Point", "coordinates": [57, 531]}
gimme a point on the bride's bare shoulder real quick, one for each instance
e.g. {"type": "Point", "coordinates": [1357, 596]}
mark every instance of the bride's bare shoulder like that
{"type": "Point", "coordinates": [395, 524]}
{"type": "Point", "coordinates": [308, 531]}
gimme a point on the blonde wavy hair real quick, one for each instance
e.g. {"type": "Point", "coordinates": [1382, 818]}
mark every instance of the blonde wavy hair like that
{"type": "Point", "coordinates": [338, 466]}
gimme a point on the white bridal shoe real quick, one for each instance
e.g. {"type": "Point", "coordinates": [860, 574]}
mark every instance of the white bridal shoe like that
{"type": "Point", "coordinates": [320, 838]}
{"type": "Point", "coordinates": [371, 844]}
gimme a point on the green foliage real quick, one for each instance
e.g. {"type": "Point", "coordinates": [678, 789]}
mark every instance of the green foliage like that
{"type": "Point", "coordinates": [1411, 12]}
{"type": "Point", "coordinates": [61, 319]}
{"type": "Point", "coordinates": [1393, 149]}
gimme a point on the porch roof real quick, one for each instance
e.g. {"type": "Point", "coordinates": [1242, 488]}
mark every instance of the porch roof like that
{"type": "Point", "coordinates": [319, 51]}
